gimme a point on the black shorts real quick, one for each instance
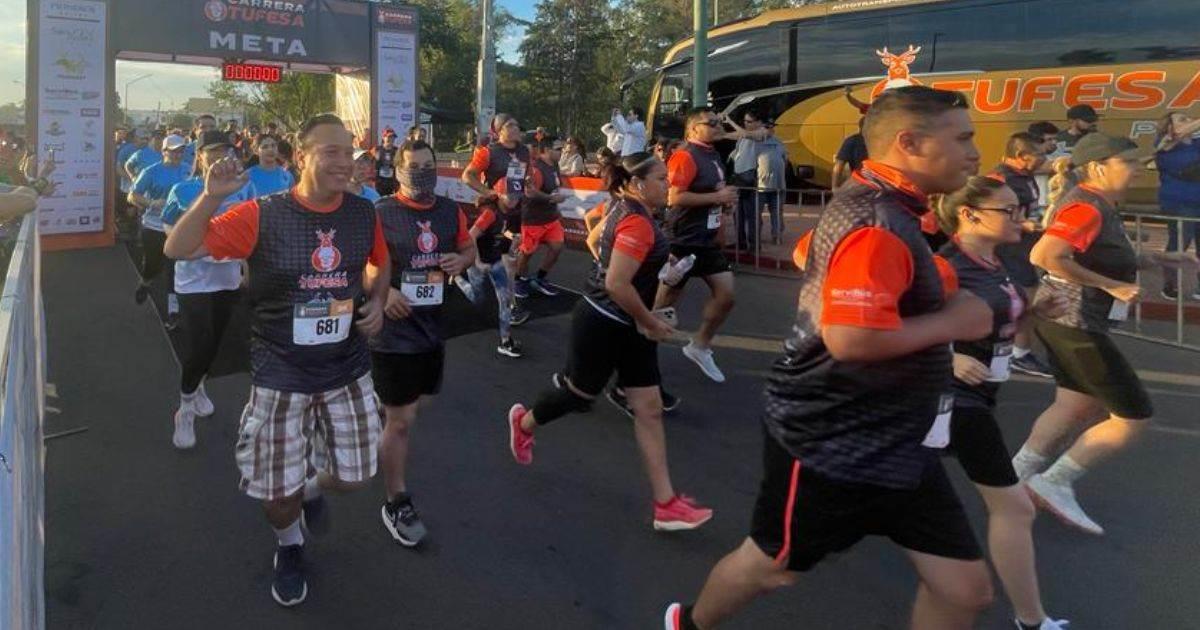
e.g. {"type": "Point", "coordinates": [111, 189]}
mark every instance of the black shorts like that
{"type": "Point", "coordinates": [976, 441]}
{"type": "Point", "coordinates": [601, 345]}
{"type": "Point", "coordinates": [828, 516]}
{"type": "Point", "coordinates": [709, 261]}
{"type": "Point", "coordinates": [1090, 363]}
{"type": "Point", "coordinates": [400, 379]}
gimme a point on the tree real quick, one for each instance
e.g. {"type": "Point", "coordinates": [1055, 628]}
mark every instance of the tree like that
{"type": "Point", "coordinates": [295, 98]}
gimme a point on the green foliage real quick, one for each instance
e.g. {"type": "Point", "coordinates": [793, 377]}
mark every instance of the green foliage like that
{"type": "Point", "coordinates": [295, 98]}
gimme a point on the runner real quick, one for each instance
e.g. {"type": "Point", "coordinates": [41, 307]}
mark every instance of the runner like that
{"type": "Point", "coordinates": [540, 219]}
{"type": "Point", "coordinates": [498, 172]}
{"type": "Point", "coordinates": [1099, 398]}
{"type": "Point", "coordinates": [208, 291]}
{"type": "Point", "coordinates": [385, 164]}
{"type": "Point", "coordinates": [980, 217]}
{"type": "Point", "coordinates": [125, 148]}
{"type": "Point", "coordinates": [1024, 157]}
{"type": "Point", "coordinates": [269, 176]}
{"type": "Point", "coordinates": [698, 198]}
{"type": "Point", "coordinates": [614, 330]}
{"type": "Point", "coordinates": [861, 383]}
{"type": "Point", "coordinates": [310, 365]}
{"type": "Point", "coordinates": [203, 123]}
{"type": "Point", "coordinates": [1081, 121]}
{"type": "Point", "coordinates": [149, 194]}
{"type": "Point", "coordinates": [364, 170]}
{"type": "Point", "coordinates": [427, 241]}
{"type": "Point", "coordinates": [143, 156]}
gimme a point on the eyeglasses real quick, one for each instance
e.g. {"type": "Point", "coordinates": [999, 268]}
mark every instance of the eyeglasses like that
{"type": "Point", "coordinates": [1016, 213]}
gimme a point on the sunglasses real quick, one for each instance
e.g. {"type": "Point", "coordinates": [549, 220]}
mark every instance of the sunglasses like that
{"type": "Point", "coordinates": [1016, 213]}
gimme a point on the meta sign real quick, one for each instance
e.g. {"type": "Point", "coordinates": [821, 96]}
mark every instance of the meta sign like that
{"type": "Point", "coordinates": [251, 72]}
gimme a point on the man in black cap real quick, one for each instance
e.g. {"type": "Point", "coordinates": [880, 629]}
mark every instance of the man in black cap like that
{"type": "Point", "coordinates": [1081, 120]}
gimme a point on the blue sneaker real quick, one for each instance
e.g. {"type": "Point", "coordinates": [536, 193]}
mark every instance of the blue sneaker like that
{"type": "Point", "coordinates": [521, 287]}
{"type": "Point", "coordinates": [543, 287]}
{"type": "Point", "coordinates": [289, 586]}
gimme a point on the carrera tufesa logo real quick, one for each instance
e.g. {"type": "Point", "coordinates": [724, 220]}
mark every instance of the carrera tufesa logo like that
{"type": "Point", "coordinates": [256, 11]}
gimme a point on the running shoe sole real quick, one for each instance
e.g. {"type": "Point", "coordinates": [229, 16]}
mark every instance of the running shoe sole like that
{"type": "Point", "coordinates": [612, 398]}
{"type": "Point", "coordinates": [508, 352]}
{"type": "Point", "coordinates": [517, 320]}
{"type": "Point", "coordinates": [678, 526]}
{"type": "Point", "coordinates": [396, 535]}
{"type": "Point", "coordinates": [545, 289]}
{"type": "Point", "coordinates": [672, 620]}
{"type": "Point", "coordinates": [1062, 518]}
{"type": "Point", "coordinates": [1031, 372]}
{"type": "Point", "coordinates": [275, 595]}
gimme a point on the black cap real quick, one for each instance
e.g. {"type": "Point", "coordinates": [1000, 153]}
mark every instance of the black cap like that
{"type": "Point", "coordinates": [1096, 147]}
{"type": "Point", "coordinates": [1083, 112]}
{"type": "Point", "coordinates": [211, 139]}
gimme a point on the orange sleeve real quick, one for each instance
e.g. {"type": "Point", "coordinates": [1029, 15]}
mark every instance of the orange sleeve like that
{"type": "Point", "coordinates": [464, 234]}
{"type": "Point", "coordinates": [379, 249]}
{"type": "Point", "coordinates": [869, 271]}
{"type": "Point", "coordinates": [1078, 224]}
{"type": "Point", "coordinates": [800, 254]}
{"type": "Point", "coordinates": [681, 170]}
{"type": "Point", "coordinates": [234, 233]}
{"type": "Point", "coordinates": [485, 219]}
{"type": "Point", "coordinates": [634, 237]}
{"type": "Point", "coordinates": [481, 159]}
{"type": "Point", "coordinates": [948, 274]}
{"type": "Point", "coordinates": [535, 178]}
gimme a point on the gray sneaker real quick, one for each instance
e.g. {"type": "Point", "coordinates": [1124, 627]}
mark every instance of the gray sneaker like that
{"type": "Point", "coordinates": [402, 521]}
{"type": "Point", "coordinates": [1059, 500]}
{"type": "Point", "coordinates": [703, 357]}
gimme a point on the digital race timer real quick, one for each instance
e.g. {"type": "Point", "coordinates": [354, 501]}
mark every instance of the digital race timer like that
{"type": "Point", "coordinates": [257, 73]}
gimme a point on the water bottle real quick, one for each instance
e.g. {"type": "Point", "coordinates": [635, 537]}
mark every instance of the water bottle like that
{"type": "Point", "coordinates": [672, 274]}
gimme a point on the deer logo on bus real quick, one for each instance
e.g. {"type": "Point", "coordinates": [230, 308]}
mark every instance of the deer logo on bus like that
{"type": "Point", "coordinates": [898, 74]}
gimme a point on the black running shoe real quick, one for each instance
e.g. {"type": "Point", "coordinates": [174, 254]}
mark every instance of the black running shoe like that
{"type": "Point", "coordinates": [509, 348]}
{"type": "Point", "coordinates": [1030, 364]}
{"type": "Point", "coordinates": [617, 397]}
{"type": "Point", "coordinates": [542, 286]}
{"type": "Point", "coordinates": [289, 586]}
{"type": "Point", "coordinates": [141, 293]}
{"type": "Point", "coordinates": [519, 316]}
{"type": "Point", "coordinates": [558, 380]}
{"type": "Point", "coordinates": [671, 402]}
{"type": "Point", "coordinates": [521, 288]}
{"type": "Point", "coordinates": [315, 514]}
{"type": "Point", "coordinates": [402, 521]}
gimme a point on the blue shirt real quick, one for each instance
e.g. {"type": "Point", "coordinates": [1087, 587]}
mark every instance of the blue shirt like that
{"type": "Point", "coordinates": [154, 183]}
{"type": "Point", "coordinates": [189, 154]}
{"type": "Point", "coordinates": [204, 275]}
{"type": "Point", "coordinates": [141, 159]}
{"type": "Point", "coordinates": [368, 193]}
{"type": "Point", "coordinates": [125, 150]}
{"type": "Point", "coordinates": [1176, 193]}
{"type": "Point", "coordinates": [268, 182]}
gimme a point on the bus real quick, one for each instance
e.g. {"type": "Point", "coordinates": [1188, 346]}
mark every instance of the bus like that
{"type": "Point", "coordinates": [1017, 61]}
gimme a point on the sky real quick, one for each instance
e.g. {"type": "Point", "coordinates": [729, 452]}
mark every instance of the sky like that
{"type": "Point", "coordinates": [169, 84]}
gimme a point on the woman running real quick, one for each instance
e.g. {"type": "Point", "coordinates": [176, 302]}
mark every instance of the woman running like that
{"type": "Point", "coordinates": [613, 329]}
{"type": "Point", "coordinates": [980, 217]}
{"type": "Point", "coordinates": [1100, 398]}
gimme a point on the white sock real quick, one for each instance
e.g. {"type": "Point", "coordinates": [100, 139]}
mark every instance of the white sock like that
{"type": "Point", "coordinates": [312, 489]}
{"type": "Point", "coordinates": [290, 535]}
{"type": "Point", "coordinates": [1064, 472]}
{"type": "Point", "coordinates": [1019, 352]}
{"type": "Point", "coordinates": [1028, 463]}
{"type": "Point", "coordinates": [172, 304]}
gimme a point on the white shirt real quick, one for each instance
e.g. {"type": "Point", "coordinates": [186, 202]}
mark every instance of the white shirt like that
{"type": "Point", "coordinates": [613, 137]}
{"type": "Point", "coordinates": [633, 134]}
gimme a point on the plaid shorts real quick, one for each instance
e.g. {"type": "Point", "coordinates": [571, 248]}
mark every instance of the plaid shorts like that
{"type": "Point", "coordinates": [285, 437]}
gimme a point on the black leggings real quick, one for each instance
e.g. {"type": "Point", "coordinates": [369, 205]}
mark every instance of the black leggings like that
{"type": "Point", "coordinates": [204, 318]}
{"type": "Point", "coordinates": [153, 259]}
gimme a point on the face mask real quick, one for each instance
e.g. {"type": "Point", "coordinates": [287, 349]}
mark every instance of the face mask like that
{"type": "Point", "coordinates": [420, 181]}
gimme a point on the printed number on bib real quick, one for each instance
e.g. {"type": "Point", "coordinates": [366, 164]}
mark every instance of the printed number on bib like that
{"type": "Point", "coordinates": [319, 323]}
{"type": "Point", "coordinates": [1001, 366]}
{"type": "Point", "coordinates": [1119, 311]}
{"type": "Point", "coordinates": [714, 218]}
{"type": "Point", "coordinates": [939, 433]}
{"type": "Point", "coordinates": [423, 288]}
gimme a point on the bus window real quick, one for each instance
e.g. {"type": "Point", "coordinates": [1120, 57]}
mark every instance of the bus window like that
{"type": "Point", "coordinates": [962, 39]}
{"type": "Point", "coordinates": [841, 49]}
{"type": "Point", "coordinates": [674, 101]}
{"type": "Point", "coordinates": [744, 62]}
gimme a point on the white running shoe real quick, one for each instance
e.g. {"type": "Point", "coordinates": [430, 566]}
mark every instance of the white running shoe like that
{"type": "Point", "coordinates": [703, 357]}
{"type": "Point", "coordinates": [185, 428]}
{"type": "Point", "coordinates": [1047, 624]}
{"type": "Point", "coordinates": [201, 403]}
{"type": "Point", "coordinates": [1059, 500]}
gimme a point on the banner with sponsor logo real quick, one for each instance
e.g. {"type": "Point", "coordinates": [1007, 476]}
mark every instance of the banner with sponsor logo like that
{"type": "Point", "coordinates": [329, 32]}
{"type": "Point", "coordinates": [71, 85]}
{"type": "Point", "coordinates": [394, 71]}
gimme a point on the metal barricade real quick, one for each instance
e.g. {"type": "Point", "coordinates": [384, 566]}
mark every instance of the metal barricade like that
{"type": "Point", "coordinates": [1157, 317]}
{"type": "Point", "coordinates": [781, 215]}
{"type": "Point", "coordinates": [22, 378]}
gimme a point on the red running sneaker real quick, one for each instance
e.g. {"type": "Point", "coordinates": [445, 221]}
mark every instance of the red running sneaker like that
{"type": "Point", "coordinates": [680, 513]}
{"type": "Point", "coordinates": [519, 442]}
{"type": "Point", "coordinates": [673, 618]}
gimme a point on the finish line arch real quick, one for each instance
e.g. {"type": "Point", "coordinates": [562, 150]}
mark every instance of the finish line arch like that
{"type": "Point", "coordinates": [73, 46]}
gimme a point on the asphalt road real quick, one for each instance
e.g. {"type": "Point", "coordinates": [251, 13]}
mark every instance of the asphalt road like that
{"type": "Point", "coordinates": [139, 535]}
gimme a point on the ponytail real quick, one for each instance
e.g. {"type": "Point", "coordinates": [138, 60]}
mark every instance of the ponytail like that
{"type": "Point", "coordinates": [977, 190]}
{"type": "Point", "coordinates": [618, 173]}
